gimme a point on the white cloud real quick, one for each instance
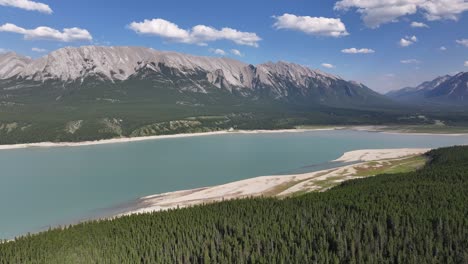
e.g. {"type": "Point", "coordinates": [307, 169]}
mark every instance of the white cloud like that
{"type": "Point", "coordinates": [328, 65]}
{"type": "Point", "coordinates": [374, 13]}
{"type": "Point", "coordinates": [389, 75]}
{"type": "Point", "coordinates": [443, 48]}
{"type": "Point", "coordinates": [320, 26]}
{"type": "Point", "coordinates": [161, 28]}
{"type": "Point", "coordinates": [218, 51]}
{"type": "Point", "coordinates": [407, 41]}
{"type": "Point", "coordinates": [67, 35]}
{"type": "Point", "coordinates": [355, 51]}
{"type": "Point", "coordinates": [224, 53]}
{"type": "Point", "coordinates": [410, 61]}
{"type": "Point", "coordinates": [444, 9]}
{"type": "Point", "coordinates": [466, 63]}
{"type": "Point", "coordinates": [38, 50]}
{"type": "Point", "coordinates": [3, 50]}
{"type": "Point", "coordinates": [415, 24]}
{"type": "Point", "coordinates": [237, 52]}
{"type": "Point", "coordinates": [199, 34]}
{"type": "Point", "coordinates": [463, 42]}
{"type": "Point", "coordinates": [27, 5]}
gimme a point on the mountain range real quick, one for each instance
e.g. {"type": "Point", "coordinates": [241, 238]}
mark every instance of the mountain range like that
{"type": "Point", "coordinates": [443, 90]}
{"type": "Point", "coordinates": [94, 92]}
{"type": "Point", "coordinates": [68, 67]}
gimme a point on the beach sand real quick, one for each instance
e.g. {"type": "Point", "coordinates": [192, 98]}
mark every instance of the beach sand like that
{"type": "Point", "coordinates": [379, 154]}
{"type": "Point", "coordinates": [221, 132]}
{"type": "Point", "coordinates": [135, 139]}
{"type": "Point", "coordinates": [275, 185]}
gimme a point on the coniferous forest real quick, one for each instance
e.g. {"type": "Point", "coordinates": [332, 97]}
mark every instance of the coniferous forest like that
{"type": "Point", "coordinates": [416, 217]}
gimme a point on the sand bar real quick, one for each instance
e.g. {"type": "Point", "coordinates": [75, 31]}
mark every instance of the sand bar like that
{"type": "Point", "coordinates": [279, 185]}
{"type": "Point", "coordinates": [379, 154]}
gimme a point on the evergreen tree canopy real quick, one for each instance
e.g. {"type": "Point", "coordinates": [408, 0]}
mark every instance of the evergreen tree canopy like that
{"type": "Point", "coordinates": [416, 217]}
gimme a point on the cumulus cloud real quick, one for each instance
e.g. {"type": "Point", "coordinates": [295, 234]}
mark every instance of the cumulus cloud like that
{"type": "Point", "coordinates": [224, 53]}
{"type": "Point", "coordinates": [218, 51]}
{"type": "Point", "coordinates": [410, 61]}
{"type": "Point", "coordinates": [415, 24]}
{"type": "Point", "coordinates": [38, 50]}
{"type": "Point", "coordinates": [47, 33]}
{"type": "Point", "coordinates": [444, 9]}
{"type": "Point", "coordinates": [443, 48]}
{"type": "Point", "coordinates": [356, 51]}
{"type": "Point", "coordinates": [27, 5]}
{"type": "Point", "coordinates": [374, 13]}
{"type": "Point", "coordinates": [407, 41]}
{"type": "Point", "coordinates": [199, 34]}
{"type": "Point", "coordinates": [237, 52]}
{"type": "Point", "coordinates": [466, 63]}
{"type": "Point", "coordinates": [463, 42]}
{"type": "Point", "coordinates": [320, 26]}
{"type": "Point", "coordinates": [328, 65]}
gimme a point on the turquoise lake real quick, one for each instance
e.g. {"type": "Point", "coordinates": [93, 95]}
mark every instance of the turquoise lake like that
{"type": "Point", "coordinates": [42, 187]}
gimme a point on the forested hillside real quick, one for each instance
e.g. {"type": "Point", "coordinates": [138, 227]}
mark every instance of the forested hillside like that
{"type": "Point", "coordinates": [417, 217]}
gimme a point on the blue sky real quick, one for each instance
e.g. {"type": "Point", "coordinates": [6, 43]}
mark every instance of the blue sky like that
{"type": "Point", "coordinates": [389, 52]}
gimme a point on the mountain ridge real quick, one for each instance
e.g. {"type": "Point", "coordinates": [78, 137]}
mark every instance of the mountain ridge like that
{"type": "Point", "coordinates": [129, 56]}
{"type": "Point", "coordinates": [444, 89]}
{"type": "Point", "coordinates": [279, 81]}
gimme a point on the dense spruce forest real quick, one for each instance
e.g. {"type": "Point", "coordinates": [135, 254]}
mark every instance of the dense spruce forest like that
{"type": "Point", "coordinates": [416, 217]}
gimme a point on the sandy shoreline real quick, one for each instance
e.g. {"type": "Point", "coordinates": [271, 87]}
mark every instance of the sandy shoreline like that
{"type": "Point", "coordinates": [136, 139]}
{"type": "Point", "coordinates": [377, 129]}
{"type": "Point", "coordinates": [274, 185]}
{"type": "Point", "coordinates": [379, 154]}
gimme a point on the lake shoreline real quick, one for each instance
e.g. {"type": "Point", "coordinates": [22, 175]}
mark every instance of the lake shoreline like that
{"type": "Point", "coordinates": [137, 139]}
{"type": "Point", "coordinates": [260, 186]}
{"type": "Point", "coordinates": [272, 185]}
{"type": "Point", "coordinates": [48, 144]}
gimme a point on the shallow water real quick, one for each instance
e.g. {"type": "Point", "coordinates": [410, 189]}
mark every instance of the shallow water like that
{"type": "Point", "coordinates": [42, 187]}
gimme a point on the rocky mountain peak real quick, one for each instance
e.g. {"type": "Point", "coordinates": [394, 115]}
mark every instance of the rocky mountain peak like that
{"type": "Point", "coordinates": [443, 89]}
{"type": "Point", "coordinates": [69, 66]}
{"type": "Point", "coordinates": [119, 63]}
{"type": "Point", "coordinates": [12, 64]}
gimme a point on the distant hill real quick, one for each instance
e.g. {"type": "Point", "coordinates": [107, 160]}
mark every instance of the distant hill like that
{"type": "Point", "coordinates": [444, 90]}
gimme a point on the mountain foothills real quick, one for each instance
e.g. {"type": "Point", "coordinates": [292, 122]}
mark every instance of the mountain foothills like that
{"type": "Point", "coordinates": [94, 92]}
{"type": "Point", "coordinates": [414, 217]}
{"type": "Point", "coordinates": [444, 90]}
